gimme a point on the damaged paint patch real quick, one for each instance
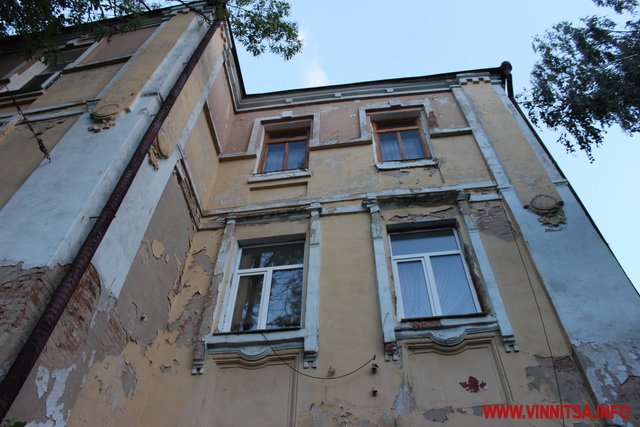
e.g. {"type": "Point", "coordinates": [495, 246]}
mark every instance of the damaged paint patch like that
{"type": "Point", "coordinates": [477, 410]}
{"type": "Point", "coordinates": [54, 407]}
{"type": "Point", "coordinates": [438, 415]}
{"type": "Point", "coordinates": [188, 324]}
{"type": "Point", "coordinates": [128, 378]}
{"type": "Point", "coordinates": [629, 394]}
{"type": "Point", "coordinates": [404, 400]}
{"type": "Point", "coordinates": [42, 381]}
{"type": "Point", "coordinates": [157, 248]}
{"type": "Point", "coordinates": [569, 382]}
{"type": "Point", "coordinates": [335, 415]}
{"type": "Point", "coordinates": [491, 219]}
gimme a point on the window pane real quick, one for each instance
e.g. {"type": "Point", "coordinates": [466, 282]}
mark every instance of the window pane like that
{"type": "Point", "coordinates": [297, 155]}
{"type": "Point", "coordinates": [389, 146]}
{"type": "Point", "coordinates": [270, 256]}
{"type": "Point", "coordinates": [394, 124]}
{"type": "Point", "coordinates": [423, 242]}
{"type": "Point", "coordinates": [452, 284]}
{"type": "Point", "coordinates": [412, 145]}
{"type": "Point", "coordinates": [274, 158]}
{"type": "Point", "coordinates": [247, 308]}
{"type": "Point", "coordinates": [287, 134]}
{"type": "Point", "coordinates": [285, 301]}
{"type": "Point", "coordinates": [415, 298]}
{"type": "Point", "coordinates": [65, 58]}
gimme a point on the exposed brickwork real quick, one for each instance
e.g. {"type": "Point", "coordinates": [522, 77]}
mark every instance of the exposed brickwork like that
{"type": "Point", "coordinates": [23, 296]}
{"type": "Point", "coordinates": [492, 219]}
{"type": "Point", "coordinates": [71, 331]}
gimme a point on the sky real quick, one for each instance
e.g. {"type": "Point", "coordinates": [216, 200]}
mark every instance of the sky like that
{"type": "Point", "coordinates": [347, 41]}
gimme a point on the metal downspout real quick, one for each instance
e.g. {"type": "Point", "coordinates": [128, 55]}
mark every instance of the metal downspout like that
{"type": "Point", "coordinates": [26, 359]}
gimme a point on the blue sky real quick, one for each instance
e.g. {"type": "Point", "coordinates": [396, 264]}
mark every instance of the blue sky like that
{"type": "Point", "coordinates": [356, 40]}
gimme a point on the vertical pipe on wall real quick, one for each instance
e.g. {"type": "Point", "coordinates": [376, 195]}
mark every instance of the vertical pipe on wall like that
{"type": "Point", "coordinates": [32, 348]}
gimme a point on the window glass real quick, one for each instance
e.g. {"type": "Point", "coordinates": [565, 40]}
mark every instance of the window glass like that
{"type": "Point", "coordinates": [424, 241]}
{"type": "Point", "coordinates": [285, 299]}
{"type": "Point", "coordinates": [268, 288]}
{"type": "Point", "coordinates": [296, 155]}
{"type": "Point", "coordinates": [275, 157]}
{"type": "Point", "coordinates": [400, 140]}
{"type": "Point", "coordinates": [285, 150]}
{"type": "Point", "coordinates": [390, 147]}
{"type": "Point", "coordinates": [412, 144]}
{"type": "Point", "coordinates": [288, 134]}
{"type": "Point", "coordinates": [247, 307]}
{"type": "Point", "coordinates": [270, 256]}
{"type": "Point", "coordinates": [451, 281]}
{"type": "Point", "coordinates": [415, 297]}
{"type": "Point", "coordinates": [431, 275]}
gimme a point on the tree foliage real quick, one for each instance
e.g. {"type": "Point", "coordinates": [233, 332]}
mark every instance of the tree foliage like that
{"type": "Point", "coordinates": [260, 25]}
{"type": "Point", "coordinates": [588, 77]}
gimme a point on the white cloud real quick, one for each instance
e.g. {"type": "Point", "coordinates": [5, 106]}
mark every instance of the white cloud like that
{"type": "Point", "coordinates": [314, 74]}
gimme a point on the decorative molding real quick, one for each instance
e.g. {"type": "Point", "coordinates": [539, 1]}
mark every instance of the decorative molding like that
{"type": "Point", "coordinates": [385, 298]}
{"type": "Point", "coordinates": [279, 175]}
{"type": "Point", "coordinates": [447, 337]}
{"type": "Point", "coordinates": [491, 284]}
{"type": "Point", "coordinates": [481, 341]}
{"type": "Point", "coordinates": [484, 143]}
{"type": "Point", "coordinates": [313, 285]}
{"type": "Point", "coordinates": [399, 192]}
{"type": "Point", "coordinates": [215, 295]}
{"type": "Point", "coordinates": [443, 133]}
{"type": "Point", "coordinates": [252, 346]}
{"type": "Point", "coordinates": [406, 164]}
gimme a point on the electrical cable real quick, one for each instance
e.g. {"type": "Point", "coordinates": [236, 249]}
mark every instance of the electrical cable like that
{"type": "Point", "coordinates": [313, 376]}
{"type": "Point", "coordinates": [41, 145]}
{"type": "Point", "coordinates": [544, 329]}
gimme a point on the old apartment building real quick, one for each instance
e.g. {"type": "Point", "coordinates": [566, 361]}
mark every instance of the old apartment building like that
{"type": "Point", "coordinates": [396, 252]}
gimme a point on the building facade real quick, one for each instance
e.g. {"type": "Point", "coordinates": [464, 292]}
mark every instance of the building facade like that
{"type": "Point", "coordinates": [398, 252]}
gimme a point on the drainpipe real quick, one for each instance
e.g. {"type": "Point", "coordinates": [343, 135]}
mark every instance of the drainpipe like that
{"type": "Point", "coordinates": [507, 78]}
{"type": "Point", "coordinates": [26, 359]}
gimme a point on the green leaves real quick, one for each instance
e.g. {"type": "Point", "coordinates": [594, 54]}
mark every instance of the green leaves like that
{"type": "Point", "coordinates": [587, 78]}
{"type": "Point", "coordinates": [260, 25]}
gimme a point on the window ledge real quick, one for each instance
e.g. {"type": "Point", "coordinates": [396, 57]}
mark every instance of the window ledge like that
{"type": "Point", "coordinates": [446, 330]}
{"type": "Point", "coordinates": [280, 175]}
{"type": "Point", "coordinates": [406, 164]}
{"type": "Point", "coordinates": [253, 345]}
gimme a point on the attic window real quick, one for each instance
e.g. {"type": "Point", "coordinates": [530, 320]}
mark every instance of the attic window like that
{"type": "Point", "coordinates": [400, 140]}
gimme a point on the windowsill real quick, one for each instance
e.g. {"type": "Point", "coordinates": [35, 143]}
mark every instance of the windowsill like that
{"type": "Point", "coordinates": [253, 344]}
{"type": "Point", "coordinates": [447, 330]}
{"type": "Point", "coordinates": [279, 175]}
{"type": "Point", "coordinates": [406, 164]}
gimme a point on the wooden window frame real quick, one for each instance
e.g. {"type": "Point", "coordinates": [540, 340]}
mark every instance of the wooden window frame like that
{"type": "Point", "coordinates": [268, 139]}
{"type": "Point", "coordinates": [417, 126]}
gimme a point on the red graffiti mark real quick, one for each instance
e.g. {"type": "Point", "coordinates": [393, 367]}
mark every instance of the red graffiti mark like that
{"type": "Point", "coordinates": [472, 385]}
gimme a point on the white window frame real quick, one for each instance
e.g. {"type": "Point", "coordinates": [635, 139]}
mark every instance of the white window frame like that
{"type": "Point", "coordinates": [267, 274]}
{"type": "Point", "coordinates": [424, 258]}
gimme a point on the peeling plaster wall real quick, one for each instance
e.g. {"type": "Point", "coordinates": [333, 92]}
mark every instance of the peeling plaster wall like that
{"type": "Point", "coordinates": [598, 307]}
{"type": "Point", "coordinates": [201, 157]}
{"type": "Point", "coordinates": [117, 376]}
{"type": "Point", "coordinates": [20, 155]}
{"type": "Point", "coordinates": [79, 86]}
{"type": "Point", "coordinates": [149, 379]}
{"type": "Point", "coordinates": [123, 354]}
{"type": "Point", "coordinates": [55, 380]}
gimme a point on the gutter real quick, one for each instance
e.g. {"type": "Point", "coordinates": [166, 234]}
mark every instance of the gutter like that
{"type": "Point", "coordinates": [35, 343]}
